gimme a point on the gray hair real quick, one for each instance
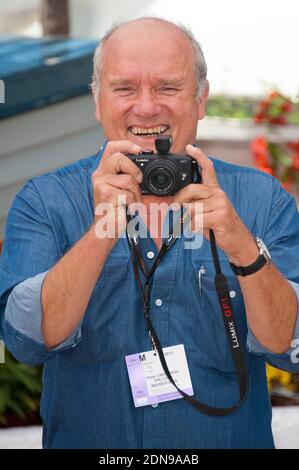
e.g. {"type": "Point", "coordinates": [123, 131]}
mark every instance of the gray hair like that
{"type": "Point", "coordinates": [200, 63]}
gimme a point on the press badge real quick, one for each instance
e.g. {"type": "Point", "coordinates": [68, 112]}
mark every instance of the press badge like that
{"type": "Point", "coordinates": [148, 381]}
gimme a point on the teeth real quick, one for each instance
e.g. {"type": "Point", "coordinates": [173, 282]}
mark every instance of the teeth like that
{"type": "Point", "coordinates": [151, 130]}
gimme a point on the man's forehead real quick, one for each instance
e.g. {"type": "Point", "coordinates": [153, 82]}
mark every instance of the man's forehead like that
{"type": "Point", "coordinates": [143, 70]}
{"type": "Point", "coordinates": [151, 52]}
{"type": "Point", "coordinates": [146, 32]}
{"type": "Point", "coordinates": [147, 52]}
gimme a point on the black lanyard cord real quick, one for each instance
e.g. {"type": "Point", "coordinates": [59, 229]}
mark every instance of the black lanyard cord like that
{"type": "Point", "coordinates": [222, 289]}
{"type": "Point", "coordinates": [214, 251]}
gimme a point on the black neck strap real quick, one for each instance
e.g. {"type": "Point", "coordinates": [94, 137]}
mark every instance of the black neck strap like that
{"type": "Point", "coordinates": [222, 290]}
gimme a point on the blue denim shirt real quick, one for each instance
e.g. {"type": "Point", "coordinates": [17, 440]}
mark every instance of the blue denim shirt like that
{"type": "Point", "coordinates": [86, 400]}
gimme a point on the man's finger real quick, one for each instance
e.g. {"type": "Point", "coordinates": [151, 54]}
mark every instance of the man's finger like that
{"type": "Point", "coordinates": [123, 146]}
{"type": "Point", "coordinates": [208, 172]}
{"type": "Point", "coordinates": [126, 182]}
{"type": "Point", "coordinates": [115, 147]}
{"type": "Point", "coordinates": [192, 192]}
{"type": "Point", "coordinates": [119, 163]}
{"type": "Point", "coordinates": [201, 207]}
{"type": "Point", "coordinates": [122, 164]}
{"type": "Point", "coordinates": [115, 196]}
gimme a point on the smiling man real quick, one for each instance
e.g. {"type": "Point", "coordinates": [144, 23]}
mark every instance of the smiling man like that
{"type": "Point", "coordinates": [70, 299]}
{"type": "Point", "coordinates": [148, 83]}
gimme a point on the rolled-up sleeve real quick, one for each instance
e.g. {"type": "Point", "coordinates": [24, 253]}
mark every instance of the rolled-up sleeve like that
{"type": "Point", "coordinates": [23, 319]}
{"type": "Point", "coordinates": [30, 249]}
{"type": "Point", "coordinates": [288, 361]}
{"type": "Point", "coordinates": [282, 239]}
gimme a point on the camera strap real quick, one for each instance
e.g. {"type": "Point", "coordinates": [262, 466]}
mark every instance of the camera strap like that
{"type": "Point", "coordinates": [222, 290]}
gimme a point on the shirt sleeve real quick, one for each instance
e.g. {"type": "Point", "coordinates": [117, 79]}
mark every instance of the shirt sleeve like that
{"type": "Point", "coordinates": [30, 249]}
{"type": "Point", "coordinates": [282, 239]}
{"type": "Point", "coordinates": [23, 314]}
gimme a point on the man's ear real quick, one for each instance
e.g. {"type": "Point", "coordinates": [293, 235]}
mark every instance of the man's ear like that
{"type": "Point", "coordinates": [202, 100]}
{"type": "Point", "coordinates": [96, 100]}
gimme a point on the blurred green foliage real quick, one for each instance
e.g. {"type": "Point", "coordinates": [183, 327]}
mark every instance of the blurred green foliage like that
{"type": "Point", "coordinates": [239, 107]}
{"type": "Point", "coordinates": [20, 388]}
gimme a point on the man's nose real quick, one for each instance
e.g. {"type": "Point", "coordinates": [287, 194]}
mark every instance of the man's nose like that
{"type": "Point", "coordinates": [146, 105]}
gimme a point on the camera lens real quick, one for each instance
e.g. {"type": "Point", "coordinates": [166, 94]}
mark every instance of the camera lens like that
{"type": "Point", "coordinates": [161, 178]}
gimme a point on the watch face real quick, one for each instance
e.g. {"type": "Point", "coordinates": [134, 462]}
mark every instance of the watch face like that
{"type": "Point", "coordinates": [263, 249]}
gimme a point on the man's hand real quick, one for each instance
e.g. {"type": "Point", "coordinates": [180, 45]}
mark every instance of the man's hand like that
{"type": "Point", "coordinates": [217, 213]}
{"type": "Point", "coordinates": [109, 185]}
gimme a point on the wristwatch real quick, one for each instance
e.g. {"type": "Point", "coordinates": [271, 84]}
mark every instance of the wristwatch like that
{"type": "Point", "coordinates": [263, 258]}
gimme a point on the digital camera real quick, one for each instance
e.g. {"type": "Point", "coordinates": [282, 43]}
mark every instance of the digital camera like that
{"type": "Point", "coordinates": [164, 173]}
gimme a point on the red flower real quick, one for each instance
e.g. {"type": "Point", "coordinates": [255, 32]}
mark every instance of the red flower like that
{"type": "Point", "coordinates": [294, 146]}
{"type": "Point", "coordinates": [287, 106]}
{"type": "Point", "coordinates": [273, 95]}
{"type": "Point", "coordinates": [277, 120]}
{"type": "Point", "coordinates": [260, 117]}
{"type": "Point", "coordinates": [295, 165]}
{"type": "Point", "coordinates": [272, 157]}
{"type": "Point", "coordinates": [273, 109]}
{"type": "Point", "coordinates": [259, 148]}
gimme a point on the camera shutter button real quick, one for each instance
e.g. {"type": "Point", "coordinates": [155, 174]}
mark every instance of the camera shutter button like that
{"type": "Point", "coordinates": [147, 152]}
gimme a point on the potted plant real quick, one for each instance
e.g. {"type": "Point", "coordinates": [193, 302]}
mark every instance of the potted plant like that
{"type": "Point", "coordinates": [280, 158]}
{"type": "Point", "coordinates": [20, 388]}
{"type": "Point", "coordinates": [272, 153]}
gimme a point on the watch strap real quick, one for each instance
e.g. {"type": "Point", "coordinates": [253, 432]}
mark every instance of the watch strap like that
{"type": "Point", "coordinates": [251, 268]}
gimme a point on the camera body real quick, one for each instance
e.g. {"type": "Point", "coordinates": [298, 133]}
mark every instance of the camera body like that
{"type": "Point", "coordinates": [164, 173]}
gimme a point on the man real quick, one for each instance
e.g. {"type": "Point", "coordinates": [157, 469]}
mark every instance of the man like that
{"type": "Point", "coordinates": [70, 299]}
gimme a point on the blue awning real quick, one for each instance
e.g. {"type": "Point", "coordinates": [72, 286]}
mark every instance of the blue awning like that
{"type": "Point", "coordinates": [37, 72]}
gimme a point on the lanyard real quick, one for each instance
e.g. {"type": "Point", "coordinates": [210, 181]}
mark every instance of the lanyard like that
{"type": "Point", "coordinates": [222, 289]}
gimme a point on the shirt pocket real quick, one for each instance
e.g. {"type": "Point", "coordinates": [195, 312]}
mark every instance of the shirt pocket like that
{"type": "Point", "coordinates": [116, 267]}
{"type": "Point", "coordinates": [105, 325]}
{"type": "Point", "coordinates": [217, 352]}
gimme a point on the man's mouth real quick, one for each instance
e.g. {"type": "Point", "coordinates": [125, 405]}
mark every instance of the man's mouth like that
{"type": "Point", "coordinates": [148, 132]}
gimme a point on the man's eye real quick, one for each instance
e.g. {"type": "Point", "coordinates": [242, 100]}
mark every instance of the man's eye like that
{"type": "Point", "coordinates": [168, 90]}
{"type": "Point", "coordinates": [123, 90]}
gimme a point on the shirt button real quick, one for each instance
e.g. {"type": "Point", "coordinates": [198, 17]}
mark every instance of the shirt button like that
{"type": "Point", "coordinates": [150, 255]}
{"type": "Point", "coordinates": [159, 302]}
{"type": "Point", "coordinates": [155, 405]}
{"type": "Point", "coordinates": [232, 294]}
